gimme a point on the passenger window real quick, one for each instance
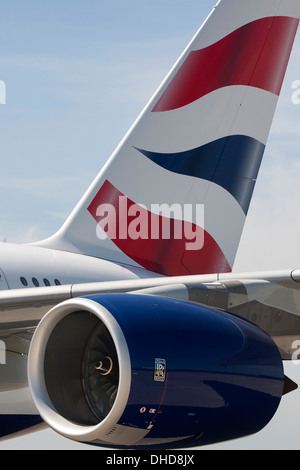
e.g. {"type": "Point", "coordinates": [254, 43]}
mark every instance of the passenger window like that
{"type": "Point", "coordinates": [57, 282]}
{"type": "Point", "coordinates": [46, 282]}
{"type": "Point", "coordinates": [35, 282]}
{"type": "Point", "coordinates": [24, 281]}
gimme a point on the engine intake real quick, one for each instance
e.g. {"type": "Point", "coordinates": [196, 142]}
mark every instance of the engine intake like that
{"type": "Point", "coordinates": [75, 372]}
{"type": "Point", "coordinates": [88, 372]}
{"type": "Point", "coordinates": [146, 371]}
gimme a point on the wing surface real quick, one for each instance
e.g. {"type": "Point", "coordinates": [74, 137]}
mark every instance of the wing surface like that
{"type": "Point", "coordinates": [271, 300]}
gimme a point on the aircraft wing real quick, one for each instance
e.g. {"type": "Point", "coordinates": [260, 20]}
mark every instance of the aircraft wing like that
{"type": "Point", "coordinates": [270, 300]}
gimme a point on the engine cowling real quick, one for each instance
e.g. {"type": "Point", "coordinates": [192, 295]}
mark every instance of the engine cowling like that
{"type": "Point", "coordinates": [127, 370]}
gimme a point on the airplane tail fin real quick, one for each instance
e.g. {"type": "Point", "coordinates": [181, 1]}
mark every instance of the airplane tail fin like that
{"type": "Point", "coordinates": [174, 196]}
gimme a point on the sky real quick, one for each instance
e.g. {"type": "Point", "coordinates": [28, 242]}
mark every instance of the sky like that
{"type": "Point", "coordinates": [77, 75]}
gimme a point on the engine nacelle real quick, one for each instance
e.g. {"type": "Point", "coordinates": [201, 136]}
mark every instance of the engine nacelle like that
{"type": "Point", "coordinates": [144, 371]}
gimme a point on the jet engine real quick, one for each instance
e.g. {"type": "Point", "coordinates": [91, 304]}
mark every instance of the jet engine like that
{"type": "Point", "coordinates": [133, 370]}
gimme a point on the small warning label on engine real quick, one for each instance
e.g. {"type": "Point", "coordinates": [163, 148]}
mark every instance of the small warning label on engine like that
{"type": "Point", "coordinates": [160, 370]}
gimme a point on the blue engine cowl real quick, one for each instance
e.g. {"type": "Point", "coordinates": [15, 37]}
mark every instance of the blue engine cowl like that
{"type": "Point", "coordinates": [129, 370]}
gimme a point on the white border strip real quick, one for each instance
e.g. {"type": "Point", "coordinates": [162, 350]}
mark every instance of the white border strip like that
{"type": "Point", "coordinates": [233, 110]}
{"type": "Point", "coordinates": [229, 15]}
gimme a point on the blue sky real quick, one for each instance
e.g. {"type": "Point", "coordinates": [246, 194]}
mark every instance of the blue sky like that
{"type": "Point", "coordinates": [77, 75]}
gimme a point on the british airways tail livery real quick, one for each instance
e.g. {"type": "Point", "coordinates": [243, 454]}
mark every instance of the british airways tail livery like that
{"type": "Point", "coordinates": [199, 142]}
{"type": "Point", "coordinates": [148, 253]}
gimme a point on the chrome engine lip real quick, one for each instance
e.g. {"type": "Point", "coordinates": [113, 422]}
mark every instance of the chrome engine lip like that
{"type": "Point", "coordinates": [36, 375]}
